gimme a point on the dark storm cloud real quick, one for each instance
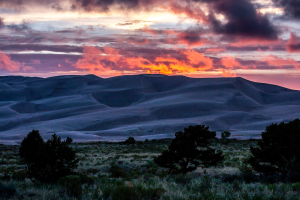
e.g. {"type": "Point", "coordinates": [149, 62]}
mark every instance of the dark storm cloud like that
{"type": "Point", "coordinates": [293, 44]}
{"type": "Point", "coordinates": [47, 62]}
{"type": "Point", "coordinates": [249, 48]}
{"type": "Point", "coordinates": [291, 7]}
{"type": "Point", "coordinates": [37, 47]}
{"type": "Point", "coordinates": [23, 26]}
{"type": "Point", "coordinates": [1, 23]}
{"type": "Point", "coordinates": [293, 47]}
{"type": "Point", "coordinates": [243, 20]}
{"type": "Point", "coordinates": [137, 40]}
{"type": "Point", "coordinates": [104, 5]}
{"type": "Point", "coordinates": [191, 36]}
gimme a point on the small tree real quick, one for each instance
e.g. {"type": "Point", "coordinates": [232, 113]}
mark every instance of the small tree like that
{"type": "Point", "coordinates": [69, 140]}
{"type": "Point", "coordinates": [225, 135]}
{"type": "Point", "coordinates": [130, 140]}
{"type": "Point", "coordinates": [189, 150]}
{"type": "Point", "coordinates": [47, 161]}
{"type": "Point", "coordinates": [279, 150]}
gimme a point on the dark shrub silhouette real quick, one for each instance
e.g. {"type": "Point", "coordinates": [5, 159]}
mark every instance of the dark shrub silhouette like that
{"type": "Point", "coordinates": [189, 150]}
{"type": "Point", "coordinates": [225, 135]}
{"type": "Point", "coordinates": [7, 191]}
{"type": "Point", "coordinates": [47, 161]}
{"type": "Point", "coordinates": [69, 140]}
{"type": "Point", "coordinates": [279, 150]}
{"type": "Point", "coordinates": [130, 140]}
{"type": "Point", "coordinates": [72, 184]}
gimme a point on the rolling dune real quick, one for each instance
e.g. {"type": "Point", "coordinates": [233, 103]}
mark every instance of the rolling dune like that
{"type": "Point", "coordinates": [145, 106]}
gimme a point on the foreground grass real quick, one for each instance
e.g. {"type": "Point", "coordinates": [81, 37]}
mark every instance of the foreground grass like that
{"type": "Point", "coordinates": [117, 171]}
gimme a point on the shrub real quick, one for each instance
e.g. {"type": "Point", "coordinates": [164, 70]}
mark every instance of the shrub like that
{"type": "Point", "coordinates": [225, 135]}
{"type": "Point", "coordinates": [7, 190]}
{"type": "Point", "coordinates": [69, 140]}
{"type": "Point", "coordinates": [130, 140]}
{"type": "Point", "coordinates": [189, 150]}
{"type": "Point", "coordinates": [47, 161]}
{"type": "Point", "coordinates": [296, 186]}
{"type": "Point", "coordinates": [85, 179]}
{"type": "Point", "coordinates": [245, 168]}
{"type": "Point", "coordinates": [278, 151]}
{"type": "Point", "coordinates": [116, 171]}
{"type": "Point", "coordinates": [72, 184]}
{"type": "Point", "coordinates": [135, 192]}
{"type": "Point", "coordinates": [20, 175]}
{"type": "Point", "coordinates": [124, 192]}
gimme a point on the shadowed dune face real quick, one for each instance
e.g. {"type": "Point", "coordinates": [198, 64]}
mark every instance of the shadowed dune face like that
{"type": "Point", "coordinates": [145, 106]}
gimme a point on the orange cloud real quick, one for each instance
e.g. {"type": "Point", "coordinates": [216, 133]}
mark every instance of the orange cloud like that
{"type": "Point", "coordinates": [109, 60]}
{"type": "Point", "coordinates": [280, 62]}
{"type": "Point", "coordinates": [227, 73]}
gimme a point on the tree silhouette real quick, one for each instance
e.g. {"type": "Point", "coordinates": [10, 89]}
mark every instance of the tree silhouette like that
{"type": "Point", "coordinates": [130, 140]}
{"type": "Point", "coordinates": [279, 150]}
{"type": "Point", "coordinates": [189, 150]}
{"type": "Point", "coordinates": [225, 135]}
{"type": "Point", "coordinates": [47, 161]}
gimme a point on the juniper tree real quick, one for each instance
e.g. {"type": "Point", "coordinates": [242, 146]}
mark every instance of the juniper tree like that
{"type": "Point", "coordinates": [279, 150]}
{"type": "Point", "coordinates": [225, 135]}
{"type": "Point", "coordinates": [47, 161]}
{"type": "Point", "coordinates": [189, 150]}
{"type": "Point", "coordinates": [130, 140]}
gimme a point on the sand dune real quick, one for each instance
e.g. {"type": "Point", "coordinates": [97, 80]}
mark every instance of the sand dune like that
{"type": "Point", "coordinates": [145, 106]}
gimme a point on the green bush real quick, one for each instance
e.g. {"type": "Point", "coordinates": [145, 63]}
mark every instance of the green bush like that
{"type": "Point", "coordinates": [47, 161]}
{"type": "Point", "coordinates": [190, 150]}
{"type": "Point", "coordinates": [245, 168]}
{"type": "Point", "coordinates": [296, 186]}
{"type": "Point", "coordinates": [72, 184]}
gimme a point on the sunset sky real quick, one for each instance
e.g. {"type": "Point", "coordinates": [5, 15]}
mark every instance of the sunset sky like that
{"type": "Point", "coordinates": [255, 39]}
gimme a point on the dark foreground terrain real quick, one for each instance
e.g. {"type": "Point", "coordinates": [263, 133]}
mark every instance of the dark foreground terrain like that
{"type": "Point", "coordinates": [127, 172]}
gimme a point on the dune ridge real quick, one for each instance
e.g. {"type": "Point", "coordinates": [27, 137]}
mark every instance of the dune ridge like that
{"type": "Point", "coordinates": [90, 108]}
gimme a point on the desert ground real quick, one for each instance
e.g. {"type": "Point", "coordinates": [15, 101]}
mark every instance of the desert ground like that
{"type": "Point", "coordinates": [136, 176]}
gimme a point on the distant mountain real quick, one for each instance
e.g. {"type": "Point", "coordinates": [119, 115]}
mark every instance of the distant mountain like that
{"type": "Point", "coordinates": [149, 106]}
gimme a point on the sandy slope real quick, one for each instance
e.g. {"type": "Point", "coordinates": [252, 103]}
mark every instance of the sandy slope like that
{"type": "Point", "coordinates": [145, 106]}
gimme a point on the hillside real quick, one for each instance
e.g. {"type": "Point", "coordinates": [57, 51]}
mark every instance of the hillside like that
{"type": "Point", "coordinates": [148, 106]}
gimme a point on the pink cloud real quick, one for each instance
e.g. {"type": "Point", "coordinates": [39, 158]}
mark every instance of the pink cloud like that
{"type": "Point", "coordinates": [293, 44]}
{"type": "Point", "coordinates": [230, 62]}
{"type": "Point", "coordinates": [7, 64]}
{"type": "Point", "coordinates": [280, 62]}
{"type": "Point", "coordinates": [35, 61]}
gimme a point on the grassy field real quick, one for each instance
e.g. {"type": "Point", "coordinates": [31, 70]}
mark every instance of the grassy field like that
{"type": "Point", "coordinates": [119, 171]}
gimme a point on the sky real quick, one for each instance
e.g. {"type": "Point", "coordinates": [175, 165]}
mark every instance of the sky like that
{"type": "Point", "coordinates": [255, 39]}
